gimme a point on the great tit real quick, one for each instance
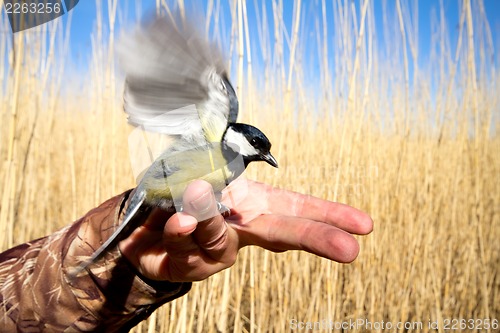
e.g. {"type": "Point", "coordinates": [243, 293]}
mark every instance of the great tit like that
{"type": "Point", "coordinates": [176, 84]}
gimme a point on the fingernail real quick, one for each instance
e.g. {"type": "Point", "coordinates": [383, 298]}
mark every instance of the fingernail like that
{"type": "Point", "coordinates": [203, 206]}
{"type": "Point", "coordinates": [186, 221]}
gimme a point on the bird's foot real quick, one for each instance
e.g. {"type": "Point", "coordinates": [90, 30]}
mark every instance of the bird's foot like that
{"type": "Point", "coordinates": [224, 210]}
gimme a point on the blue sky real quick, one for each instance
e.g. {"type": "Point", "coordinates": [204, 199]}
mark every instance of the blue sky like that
{"type": "Point", "coordinates": [84, 20]}
{"type": "Point", "coordinates": [84, 16]}
{"type": "Point", "coordinates": [130, 11]}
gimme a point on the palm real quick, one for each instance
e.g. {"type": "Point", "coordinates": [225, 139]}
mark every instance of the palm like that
{"type": "Point", "coordinates": [247, 200]}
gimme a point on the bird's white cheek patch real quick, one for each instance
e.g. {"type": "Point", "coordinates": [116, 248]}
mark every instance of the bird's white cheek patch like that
{"type": "Point", "coordinates": [238, 139]}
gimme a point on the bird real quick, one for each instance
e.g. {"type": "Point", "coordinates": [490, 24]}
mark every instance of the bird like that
{"type": "Point", "coordinates": [176, 84]}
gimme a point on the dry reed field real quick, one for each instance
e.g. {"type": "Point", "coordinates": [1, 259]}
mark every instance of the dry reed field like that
{"type": "Point", "coordinates": [413, 143]}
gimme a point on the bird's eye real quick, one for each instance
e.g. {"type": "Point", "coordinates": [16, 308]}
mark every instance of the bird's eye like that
{"type": "Point", "coordinates": [253, 141]}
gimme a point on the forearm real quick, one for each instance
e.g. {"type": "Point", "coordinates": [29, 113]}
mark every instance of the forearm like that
{"type": "Point", "coordinates": [36, 290]}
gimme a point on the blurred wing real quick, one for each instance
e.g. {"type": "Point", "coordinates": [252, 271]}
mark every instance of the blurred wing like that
{"type": "Point", "coordinates": [175, 81]}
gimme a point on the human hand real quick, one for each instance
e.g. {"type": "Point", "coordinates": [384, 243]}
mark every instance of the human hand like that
{"type": "Point", "coordinates": [183, 249]}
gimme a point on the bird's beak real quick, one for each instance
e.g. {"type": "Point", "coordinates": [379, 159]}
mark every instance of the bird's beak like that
{"type": "Point", "coordinates": [269, 159]}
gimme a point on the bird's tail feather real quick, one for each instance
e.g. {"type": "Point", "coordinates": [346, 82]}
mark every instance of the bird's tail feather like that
{"type": "Point", "coordinates": [135, 215]}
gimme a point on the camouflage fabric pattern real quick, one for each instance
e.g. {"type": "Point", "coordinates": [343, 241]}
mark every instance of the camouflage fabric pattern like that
{"type": "Point", "coordinates": [37, 295]}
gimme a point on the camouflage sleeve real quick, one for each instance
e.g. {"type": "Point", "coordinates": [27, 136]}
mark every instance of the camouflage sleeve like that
{"type": "Point", "coordinates": [37, 295]}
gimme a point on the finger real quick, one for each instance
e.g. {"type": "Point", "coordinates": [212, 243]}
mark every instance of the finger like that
{"type": "Point", "coordinates": [180, 258]}
{"type": "Point", "coordinates": [343, 216]}
{"type": "Point", "coordinates": [212, 233]}
{"type": "Point", "coordinates": [281, 233]}
{"type": "Point", "coordinates": [184, 259]}
{"type": "Point", "coordinates": [177, 235]}
{"type": "Point", "coordinates": [283, 202]}
{"type": "Point", "coordinates": [150, 257]}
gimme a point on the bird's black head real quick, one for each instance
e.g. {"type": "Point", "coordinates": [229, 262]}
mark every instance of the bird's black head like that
{"type": "Point", "coordinates": [250, 143]}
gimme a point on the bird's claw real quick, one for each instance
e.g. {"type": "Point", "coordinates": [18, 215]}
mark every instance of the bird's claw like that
{"type": "Point", "coordinates": [224, 210]}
